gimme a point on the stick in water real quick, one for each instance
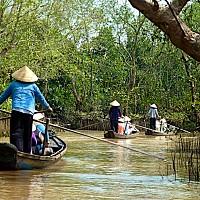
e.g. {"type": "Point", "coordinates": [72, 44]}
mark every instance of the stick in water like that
{"type": "Point", "coordinates": [103, 140]}
{"type": "Point", "coordinates": [107, 141]}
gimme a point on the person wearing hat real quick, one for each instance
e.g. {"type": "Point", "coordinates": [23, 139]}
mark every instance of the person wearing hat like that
{"type": "Point", "coordinates": [114, 114]}
{"type": "Point", "coordinates": [24, 93]}
{"type": "Point", "coordinates": [121, 127]}
{"type": "Point", "coordinates": [39, 132]}
{"type": "Point", "coordinates": [153, 113]}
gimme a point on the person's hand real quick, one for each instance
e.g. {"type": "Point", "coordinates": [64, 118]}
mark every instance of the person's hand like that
{"type": "Point", "coordinates": [49, 110]}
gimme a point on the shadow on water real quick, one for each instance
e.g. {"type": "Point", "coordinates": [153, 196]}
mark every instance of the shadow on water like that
{"type": "Point", "coordinates": [93, 169]}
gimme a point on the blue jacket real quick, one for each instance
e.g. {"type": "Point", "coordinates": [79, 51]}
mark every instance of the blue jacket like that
{"type": "Point", "coordinates": [23, 96]}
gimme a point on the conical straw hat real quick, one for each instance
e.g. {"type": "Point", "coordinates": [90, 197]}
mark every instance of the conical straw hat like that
{"type": "Point", "coordinates": [120, 120]}
{"type": "Point", "coordinates": [24, 74]}
{"type": "Point", "coordinates": [127, 119]}
{"type": "Point", "coordinates": [38, 115]}
{"type": "Point", "coordinates": [153, 106]}
{"type": "Point", "coordinates": [114, 103]}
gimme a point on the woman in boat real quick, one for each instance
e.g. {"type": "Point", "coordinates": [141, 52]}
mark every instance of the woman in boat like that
{"type": "Point", "coordinates": [24, 93]}
{"type": "Point", "coordinates": [114, 114]}
{"type": "Point", "coordinates": [121, 127]}
{"type": "Point", "coordinates": [153, 113]}
{"type": "Point", "coordinates": [39, 133]}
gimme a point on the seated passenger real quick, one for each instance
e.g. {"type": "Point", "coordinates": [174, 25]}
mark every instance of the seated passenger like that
{"type": "Point", "coordinates": [39, 132]}
{"type": "Point", "coordinates": [129, 128]}
{"type": "Point", "coordinates": [120, 126]}
{"type": "Point", "coordinates": [34, 143]}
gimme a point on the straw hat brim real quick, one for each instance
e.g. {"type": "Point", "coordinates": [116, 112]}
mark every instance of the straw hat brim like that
{"type": "Point", "coordinates": [24, 74]}
{"type": "Point", "coordinates": [120, 120]}
{"type": "Point", "coordinates": [153, 106]}
{"type": "Point", "coordinates": [127, 119]}
{"type": "Point", "coordinates": [38, 116]}
{"type": "Point", "coordinates": [114, 103]}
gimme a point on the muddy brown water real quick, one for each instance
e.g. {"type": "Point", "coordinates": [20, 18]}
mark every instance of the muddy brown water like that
{"type": "Point", "coordinates": [93, 169]}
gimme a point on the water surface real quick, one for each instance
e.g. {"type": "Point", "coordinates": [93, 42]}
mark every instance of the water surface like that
{"type": "Point", "coordinates": [93, 169]}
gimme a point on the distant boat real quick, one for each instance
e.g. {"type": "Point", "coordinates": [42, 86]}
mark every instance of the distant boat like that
{"type": "Point", "coordinates": [157, 133]}
{"type": "Point", "coordinates": [12, 159]}
{"type": "Point", "coordinates": [112, 134]}
{"type": "Point", "coordinates": [162, 129]}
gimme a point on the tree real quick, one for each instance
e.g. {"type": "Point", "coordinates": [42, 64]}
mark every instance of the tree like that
{"type": "Point", "coordinates": [168, 20]}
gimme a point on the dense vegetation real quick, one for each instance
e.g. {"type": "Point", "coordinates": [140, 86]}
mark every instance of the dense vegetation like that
{"type": "Point", "coordinates": [87, 53]}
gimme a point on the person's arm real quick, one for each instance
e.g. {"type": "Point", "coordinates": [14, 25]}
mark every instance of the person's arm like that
{"type": "Point", "coordinates": [157, 113]}
{"type": "Point", "coordinates": [5, 94]}
{"type": "Point", "coordinates": [39, 96]}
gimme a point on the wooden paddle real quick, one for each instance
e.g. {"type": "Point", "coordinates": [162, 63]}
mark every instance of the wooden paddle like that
{"type": "Point", "coordinates": [103, 140]}
{"type": "Point", "coordinates": [179, 128]}
{"type": "Point", "coordinates": [143, 127]}
{"type": "Point", "coordinates": [147, 128]}
{"type": "Point", "coordinates": [4, 118]}
{"type": "Point", "coordinates": [45, 135]}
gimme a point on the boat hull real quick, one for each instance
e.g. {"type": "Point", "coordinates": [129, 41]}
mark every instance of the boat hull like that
{"type": "Point", "coordinates": [11, 159]}
{"type": "Point", "coordinates": [112, 134]}
{"type": "Point", "coordinates": [157, 133]}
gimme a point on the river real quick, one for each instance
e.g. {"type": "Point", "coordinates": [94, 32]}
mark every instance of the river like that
{"type": "Point", "coordinates": [93, 169]}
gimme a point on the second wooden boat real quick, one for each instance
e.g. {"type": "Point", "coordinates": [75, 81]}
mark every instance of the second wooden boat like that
{"type": "Point", "coordinates": [112, 134]}
{"type": "Point", "coordinates": [157, 133]}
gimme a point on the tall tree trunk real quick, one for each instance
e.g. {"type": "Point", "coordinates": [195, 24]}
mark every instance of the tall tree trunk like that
{"type": "Point", "coordinates": [133, 72]}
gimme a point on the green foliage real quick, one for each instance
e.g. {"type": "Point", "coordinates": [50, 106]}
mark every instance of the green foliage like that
{"type": "Point", "coordinates": [88, 53]}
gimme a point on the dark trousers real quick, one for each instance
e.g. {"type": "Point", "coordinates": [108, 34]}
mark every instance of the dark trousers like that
{"type": "Point", "coordinates": [153, 123]}
{"type": "Point", "coordinates": [21, 131]}
{"type": "Point", "coordinates": [114, 125]}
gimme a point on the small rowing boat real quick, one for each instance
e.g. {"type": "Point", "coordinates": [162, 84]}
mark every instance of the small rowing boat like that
{"type": "Point", "coordinates": [126, 130]}
{"type": "Point", "coordinates": [112, 134]}
{"type": "Point", "coordinates": [162, 129]}
{"type": "Point", "coordinates": [12, 159]}
{"type": "Point", "coordinates": [157, 133]}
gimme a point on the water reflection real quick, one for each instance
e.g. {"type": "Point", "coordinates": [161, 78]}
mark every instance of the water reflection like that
{"type": "Point", "coordinates": [21, 184]}
{"type": "Point", "coordinates": [92, 169]}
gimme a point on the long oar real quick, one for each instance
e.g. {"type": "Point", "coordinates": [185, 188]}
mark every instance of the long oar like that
{"type": "Point", "coordinates": [143, 127]}
{"type": "Point", "coordinates": [103, 140]}
{"type": "Point", "coordinates": [45, 135]}
{"type": "Point", "coordinates": [107, 141]}
{"type": "Point", "coordinates": [179, 128]}
{"type": "Point", "coordinates": [147, 128]}
{"type": "Point", "coordinates": [4, 111]}
{"type": "Point", "coordinates": [4, 118]}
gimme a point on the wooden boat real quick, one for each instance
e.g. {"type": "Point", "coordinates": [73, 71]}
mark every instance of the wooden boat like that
{"type": "Point", "coordinates": [12, 159]}
{"type": "Point", "coordinates": [112, 134]}
{"type": "Point", "coordinates": [157, 133]}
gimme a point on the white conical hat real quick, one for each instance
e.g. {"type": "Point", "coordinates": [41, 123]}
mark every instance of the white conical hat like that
{"type": "Point", "coordinates": [38, 115]}
{"type": "Point", "coordinates": [127, 119]}
{"type": "Point", "coordinates": [153, 106]}
{"type": "Point", "coordinates": [114, 103]}
{"type": "Point", "coordinates": [120, 120]}
{"type": "Point", "coordinates": [24, 74]}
